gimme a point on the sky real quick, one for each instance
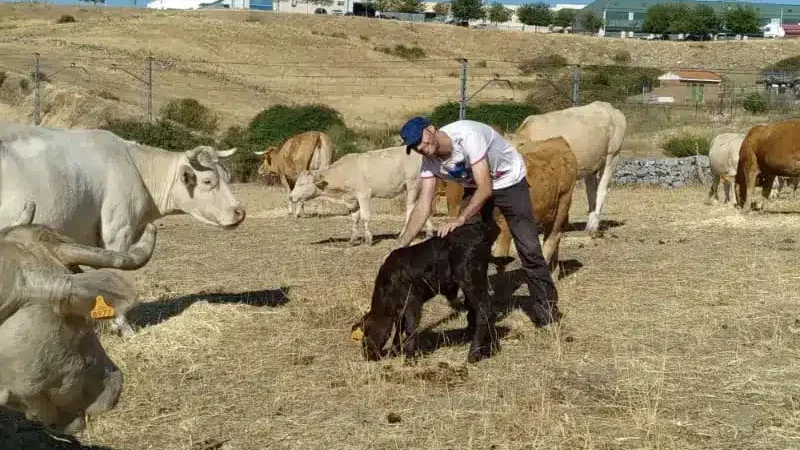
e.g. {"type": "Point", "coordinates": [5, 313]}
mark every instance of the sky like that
{"type": "Point", "coordinates": [142, 3]}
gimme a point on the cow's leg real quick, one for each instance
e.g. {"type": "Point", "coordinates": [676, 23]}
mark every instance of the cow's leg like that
{"type": "Point", "coordinates": [712, 193]}
{"type": "Point", "coordinates": [590, 180]}
{"type": "Point", "coordinates": [593, 223]}
{"type": "Point", "coordinates": [120, 240]}
{"type": "Point", "coordinates": [727, 184]}
{"type": "Point", "coordinates": [365, 206]}
{"type": "Point", "coordinates": [766, 191]}
{"type": "Point", "coordinates": [355, 216]}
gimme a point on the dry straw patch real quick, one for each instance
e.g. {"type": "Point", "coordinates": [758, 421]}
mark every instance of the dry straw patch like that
{"type": "Point", "coordinates": [680, 332]}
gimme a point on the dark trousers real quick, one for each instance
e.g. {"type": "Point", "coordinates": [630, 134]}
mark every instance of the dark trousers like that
{"type": "Point", "coordinates": [514, 202]}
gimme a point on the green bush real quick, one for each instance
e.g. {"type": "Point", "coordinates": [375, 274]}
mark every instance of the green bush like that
{"type": "Point", "coordinates": [790, 64]}
{"type": "Point", "coordinates": [190, 113]}
{"type": "Point", "coordinates": [66, 18]}
{"type": "Point", "coordinates": [542, 62]}
{"type": "Point", "coordinates": [162, 134]}
{"type": "Point", "coordinates": [507, 116]}
{"type": "Point", "coordinates": [687, 145]}
{"type": "Point", "coordinates": [615, 82]}
{"type": "Point", "coordinates": [277, 123]}
{"type": "Point", "coordinates": [622, 57]}
{"type": "Point", "coordinates": [401, 51]}
{"type": "Point", "coordinates": [244, 163]}
{"type": "Point", "coordinates": [755, 103]}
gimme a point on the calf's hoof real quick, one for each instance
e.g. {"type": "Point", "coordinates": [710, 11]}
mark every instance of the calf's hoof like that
{"type": "Point", "coordinates": [480, 353]}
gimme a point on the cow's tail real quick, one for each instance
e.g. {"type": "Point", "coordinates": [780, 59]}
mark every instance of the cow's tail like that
{"type": "Point", "coordinates": [747, 168]}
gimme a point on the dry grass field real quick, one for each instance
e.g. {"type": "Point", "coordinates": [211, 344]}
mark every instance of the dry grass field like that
{"type": "Point", "coordinates": [240, 62]}
{"type": "Point", "coordinates": [680, 332]}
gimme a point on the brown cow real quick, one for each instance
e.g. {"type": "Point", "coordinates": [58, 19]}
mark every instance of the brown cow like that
{"type": "Point", "coordinates": [552, 170]}
{"type": "Point", "coordinates": [309, 150]}
{"type": "Point", "coordinates": [768, 151]}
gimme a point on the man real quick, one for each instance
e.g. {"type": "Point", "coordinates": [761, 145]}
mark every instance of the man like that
{"type": "Point", "coordinates": [493, 174]}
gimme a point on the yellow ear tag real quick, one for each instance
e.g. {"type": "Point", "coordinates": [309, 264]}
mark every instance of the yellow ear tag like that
{"type": "Point", "coordinates": [101, 309]}
{"type": "Point", "coordinates": [357, 335]}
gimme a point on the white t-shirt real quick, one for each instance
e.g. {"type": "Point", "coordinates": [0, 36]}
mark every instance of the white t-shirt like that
{"type": "Point", "coordinates": [472, 142]}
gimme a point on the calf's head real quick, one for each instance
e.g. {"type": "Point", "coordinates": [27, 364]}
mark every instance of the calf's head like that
{"type": "Point", "coordinates": [202, 188]}
{"type": "Point", "coordinates": [308, 185]}
{"type": "Point", "coordinates": [52, 365]}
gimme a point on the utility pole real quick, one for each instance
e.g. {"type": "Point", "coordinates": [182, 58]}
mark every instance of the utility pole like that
{"type": "Point", "coordinates": [462, 110]}
{"type": "Point", "coordinates": [576, 85]}
{"type": "Point", "coordinates": [150, 89]}
{"type": "Point", "coordinates": [36, 90]}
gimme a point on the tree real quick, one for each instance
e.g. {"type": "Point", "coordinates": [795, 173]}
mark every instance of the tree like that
{"type": "Point", "coordinates": [664, 18]}
{"type": "Point", "coordinates": [497, 13]}
{"type": "Point", "coordinates": [590, 21]}
{"type": "Point", "coordinates": [704, 21]}
{"type": "Point", "coordinates": [741, 20]}
{"type": "Point", "coordinates": [441, 8]}
{"type": "Point", "coordinates": [385, 5]}
{"type": "Point", "coordinates": [535, 14]}
{"type": "Point", "coordinates": [410, 6]}
{"type": "Point", "coordinates": [467, 9]}
{"type": "Point", "coordinates": [565, 17]}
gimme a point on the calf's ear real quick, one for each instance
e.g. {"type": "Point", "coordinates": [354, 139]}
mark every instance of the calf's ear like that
{"type": "Point", "coordinates": [319, 180]}
{"type": "Point", "coordinates": [85, 287]}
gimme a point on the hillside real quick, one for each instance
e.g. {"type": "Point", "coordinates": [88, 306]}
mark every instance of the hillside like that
{"type": "Point", "coordinates": [239, 62]}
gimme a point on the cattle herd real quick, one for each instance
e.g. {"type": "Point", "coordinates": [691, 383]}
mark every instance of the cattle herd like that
{"type": "Point", "coordinates": [77, 206]}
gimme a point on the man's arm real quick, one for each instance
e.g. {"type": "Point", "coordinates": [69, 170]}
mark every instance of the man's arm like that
{"type": "Point", "coordinates": [484, 190]}
{"type": "Point", "coordinates": [420, 213]}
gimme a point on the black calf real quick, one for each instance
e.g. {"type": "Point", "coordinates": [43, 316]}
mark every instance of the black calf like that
{"type": "Point", "coordinates": [412, 275]}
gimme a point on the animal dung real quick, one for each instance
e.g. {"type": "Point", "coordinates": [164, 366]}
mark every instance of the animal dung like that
{"type": "Point", "coordinates": [101, 310]}
{"type": "Point", "coordinates": [393, 418]}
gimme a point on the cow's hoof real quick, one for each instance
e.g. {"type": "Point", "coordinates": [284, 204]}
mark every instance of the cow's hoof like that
{"type": "Point", "coordinates": [353, 242]}
{"type": "Point", "coordinates": [479, 354]}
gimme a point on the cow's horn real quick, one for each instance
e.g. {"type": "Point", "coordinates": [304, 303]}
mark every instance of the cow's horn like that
{"type": "Point", "coordinates": [227, 153]}
{"type": "Point", "coordinates": [26, 216]}
{"type": "Point", "coordinates": [138, 255]}
{"type": "Point", "coordinates": [261, 153]}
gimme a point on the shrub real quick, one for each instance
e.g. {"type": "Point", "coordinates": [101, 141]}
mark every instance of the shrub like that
{"type": "Point", "coordinates": [2, 78]}
{"type": "Point", "coordinates": [24, 84]}
{"type": "Point", "coordinates": [542, 62]}
{"type": "Point", "coordinates": [107, 95]}
{"type": "Point", "coordinates": [43, 78]}
{"type": "Point", "coordinates": [790, 64]}
{"type": "Point", "coordinates": [507, 116]}
{"type": "Point", "coordinates": [401, 51]}
{"type": "Point", "coordinates": [162, 134]}
{"type": "Point", "coordinates": [687, 145]}
{"type": "Point", "coordinates": [190, 113]}
{"type": "Point", "coordinates": [66, 18]}
{"type": "Point", "coordinates": [755, 103]}
{"type": "Point", "coordinates": [244, 163]}
{"type": "Point", "coordinates": [622, 57]}
{"type": "Point", "coordinates": [279, 122]}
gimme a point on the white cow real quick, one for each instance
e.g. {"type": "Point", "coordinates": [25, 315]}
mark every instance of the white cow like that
{"type": "Point", "coordinates": [724, 159]}
{"type": "Point", "coordinates": [101, 190]}
{"type": "Point", "coordinates": [595, 133]}
{"type": "Point", "coordinates": [356, 178]}
{"type": "Point", "coordinates": [53, 368]}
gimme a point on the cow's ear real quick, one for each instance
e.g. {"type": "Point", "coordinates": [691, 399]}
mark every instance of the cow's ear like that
{"type": "Point", "coordinates": [319, 180]}
{"type": "Point", "coordinates": [188, 178]}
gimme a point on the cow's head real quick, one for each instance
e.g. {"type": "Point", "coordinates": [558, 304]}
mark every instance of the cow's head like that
{"type": "Point", "coordinates": [52, 365]}
{"type": "Point", "coordinates": [308, 185]}
{"type": "Point", "coordinates": [202, 189]}
{"type": "Point", "coordinates": [267, 165]}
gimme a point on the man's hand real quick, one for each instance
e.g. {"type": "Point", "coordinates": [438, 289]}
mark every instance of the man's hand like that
{"type": "Point", "coordinates": [450, 226]}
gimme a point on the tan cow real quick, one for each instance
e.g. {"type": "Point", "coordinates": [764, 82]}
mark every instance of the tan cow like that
{"type": "Point", "coordinates": [595, 133]}
{"type": "Point", "coordinates": [552, 170]}
{"type": "Point", "coordinates": [767, 151]}
{"type": "Point", "coordinates": [356, 178]}
{"type": "Point", "coordinates": [53, 367]}
{"type": "Point", "coordinates": [310, 150]}
{"type": "Point", "coordinates": [724, 158]}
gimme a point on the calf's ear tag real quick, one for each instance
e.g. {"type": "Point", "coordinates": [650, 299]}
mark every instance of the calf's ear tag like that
{"type": "Point", "coordinates": [357, 335]}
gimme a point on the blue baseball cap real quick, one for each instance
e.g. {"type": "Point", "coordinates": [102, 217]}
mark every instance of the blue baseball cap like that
{"type": "Point", "coordinates": [411, 132]}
